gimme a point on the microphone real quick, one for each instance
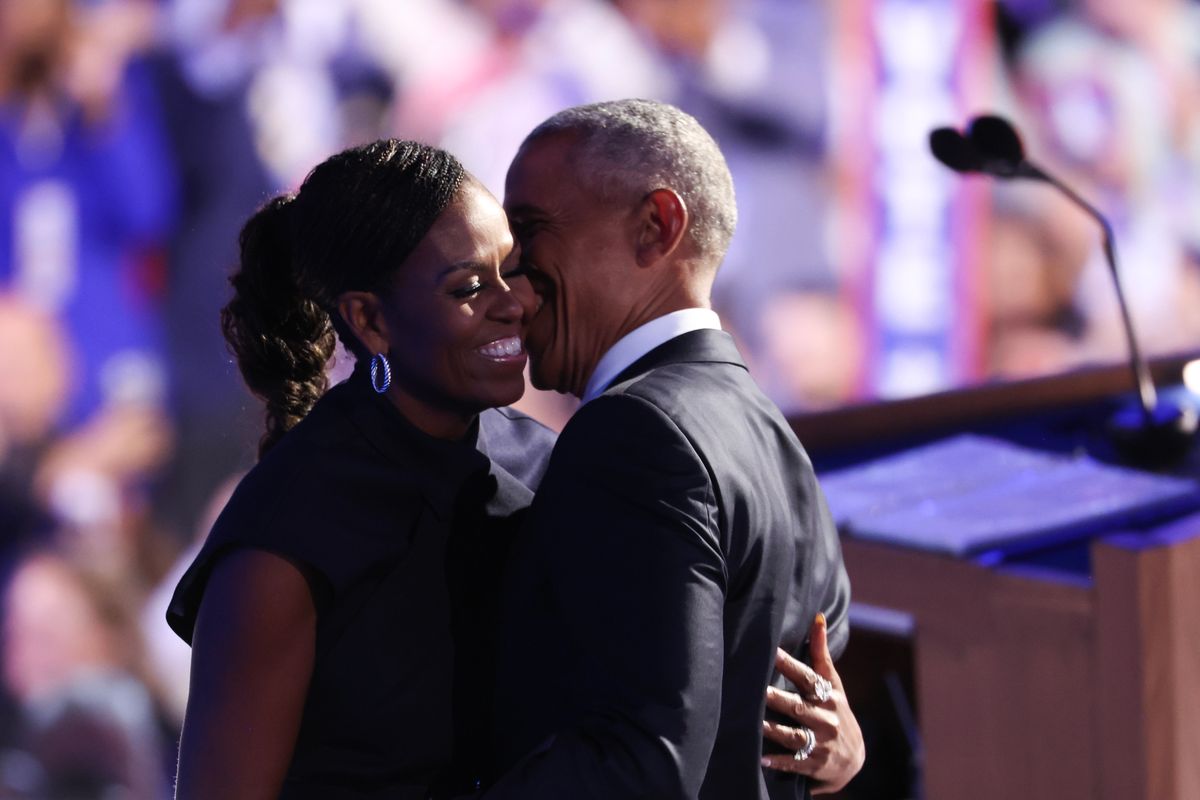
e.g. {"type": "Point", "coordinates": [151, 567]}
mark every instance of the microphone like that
{"type": "Point", "coordinates": [1154, 434]}
{"type": "Point", "coordinates": [952, 149]}
{"type": "Point", "coordinates": [1001, 147]}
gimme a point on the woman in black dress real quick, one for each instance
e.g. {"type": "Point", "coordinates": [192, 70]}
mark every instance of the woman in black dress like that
{"type": "Point", "coordinates": [339, 610]}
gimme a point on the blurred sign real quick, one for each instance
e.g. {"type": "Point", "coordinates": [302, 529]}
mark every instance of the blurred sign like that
{"type": "Point", "coordinates": [908, 229]}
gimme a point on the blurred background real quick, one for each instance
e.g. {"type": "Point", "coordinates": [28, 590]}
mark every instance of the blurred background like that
{"type": "Point", "coordinates": [137, 135]}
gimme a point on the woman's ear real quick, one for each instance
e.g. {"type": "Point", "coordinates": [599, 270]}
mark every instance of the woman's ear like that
{"type": "Point", "coordinates": [363, 314]}
{"type": "Point", "coordinates": [662, 223]}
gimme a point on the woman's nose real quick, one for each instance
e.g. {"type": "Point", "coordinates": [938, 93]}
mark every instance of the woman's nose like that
{"type": "Point", "coordinates": [517, 301]}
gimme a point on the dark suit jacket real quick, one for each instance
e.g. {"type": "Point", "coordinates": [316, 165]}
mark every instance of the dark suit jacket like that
{"type": "Point", "coordinates": [679, 528]}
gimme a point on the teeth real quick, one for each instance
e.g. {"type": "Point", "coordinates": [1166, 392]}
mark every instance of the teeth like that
{"type": "Point", "coordinates": [500, 348]}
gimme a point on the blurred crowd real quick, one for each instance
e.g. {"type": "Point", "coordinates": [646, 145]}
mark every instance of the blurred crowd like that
{"type": "Point", "coordinates": [1108, 96]}
{"type": "Point", "coordinates": [137, 135]}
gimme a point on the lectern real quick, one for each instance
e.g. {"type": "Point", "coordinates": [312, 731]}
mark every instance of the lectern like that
{"type": "Point", "coordinates": [1065, 671]}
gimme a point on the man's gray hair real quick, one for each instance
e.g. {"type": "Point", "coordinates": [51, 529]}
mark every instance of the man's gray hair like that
{"type": "Point", "coordinates": [627, 146]}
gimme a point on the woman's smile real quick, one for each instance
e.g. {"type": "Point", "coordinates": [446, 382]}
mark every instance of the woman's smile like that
{"type": "Point", "coordinates": [508, 350]}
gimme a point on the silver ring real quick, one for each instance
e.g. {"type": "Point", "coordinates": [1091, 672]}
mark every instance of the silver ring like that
{"type": "Point", "coordinates": [810, 744]}
{"type": "Point", "coordinates": [822, 689]}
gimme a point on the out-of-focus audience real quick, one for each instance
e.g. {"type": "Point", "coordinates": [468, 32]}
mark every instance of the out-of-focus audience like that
{"type": "Point", "coordinates": [136, 135]}
{"type": "Point", "coordinates": [1109, 96]}
{"type": "Point", "coordinates": [35, 363]}
{"type": "Point", "coordinates": [84, 723]}
{"type": "Point", "coordinates": [86, 191]}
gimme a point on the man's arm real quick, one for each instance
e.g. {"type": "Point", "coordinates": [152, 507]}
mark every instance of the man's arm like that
{"type": "Point", "coordinates": [627, 513]}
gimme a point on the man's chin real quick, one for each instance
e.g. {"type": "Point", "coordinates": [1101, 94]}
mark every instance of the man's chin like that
{"type": "Point", "coordinates": [543, 377]}
{"type": "Point", "coordinates": [539, 380]}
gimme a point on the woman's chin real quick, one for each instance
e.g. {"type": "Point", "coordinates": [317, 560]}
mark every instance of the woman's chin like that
{"type": "Point", "coordinates": [503, 394]}
{"type": "Point", "coordinates": [512, 394]}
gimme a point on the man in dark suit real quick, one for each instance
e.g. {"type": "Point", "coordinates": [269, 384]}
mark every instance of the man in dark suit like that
{"type": "Point", "coordinates": [679, 534]}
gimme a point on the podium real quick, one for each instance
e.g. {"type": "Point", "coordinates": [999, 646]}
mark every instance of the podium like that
{"type": "Point", "coordinates": [1071, 672]}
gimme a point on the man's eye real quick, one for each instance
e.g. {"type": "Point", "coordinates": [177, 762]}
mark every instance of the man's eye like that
{"type": "Point", "coordinates": [523, 268]}
{"type": "Point", "coordinates": [467, 291]}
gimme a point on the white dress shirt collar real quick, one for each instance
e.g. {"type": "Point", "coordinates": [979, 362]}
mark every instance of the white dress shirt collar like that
{"type": "Point", "coordinates": [641, 340]}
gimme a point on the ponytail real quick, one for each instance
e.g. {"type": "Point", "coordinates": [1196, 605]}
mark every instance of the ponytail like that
{"type": "Point", "coordinates": [281, 336]}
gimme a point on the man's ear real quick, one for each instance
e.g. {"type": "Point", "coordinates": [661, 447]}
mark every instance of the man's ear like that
{"type": "Point", "coordinates": [662, 223]}
{"type": "Point", "coordinates": [363, 314]}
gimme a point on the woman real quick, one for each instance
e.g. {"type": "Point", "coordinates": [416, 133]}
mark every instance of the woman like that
{"type": "Point", "coordinates": [339, 604]}
{"type": "Point", "coordinates": [339, 611]}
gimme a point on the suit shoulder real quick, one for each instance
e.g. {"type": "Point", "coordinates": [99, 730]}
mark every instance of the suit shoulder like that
{"type": "Point", "coordinates": [623, 424]}
{"type": "Point", "coordinates": [618, 405]}
{"type": "Point", "coordinates": [689, 393]}
{"type": "Point", "coordinates": [678, 385]}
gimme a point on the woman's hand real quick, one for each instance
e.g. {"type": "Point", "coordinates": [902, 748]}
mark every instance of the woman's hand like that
{"type": "Point", "coordinates": [836, 751]}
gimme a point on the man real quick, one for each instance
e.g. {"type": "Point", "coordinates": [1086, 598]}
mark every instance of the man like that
{"type": "Point", "coordinates": [679, 534]}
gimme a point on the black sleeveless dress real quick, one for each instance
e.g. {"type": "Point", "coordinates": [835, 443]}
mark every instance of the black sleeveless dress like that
{"type": "Point", "coordinates": [406, 536]}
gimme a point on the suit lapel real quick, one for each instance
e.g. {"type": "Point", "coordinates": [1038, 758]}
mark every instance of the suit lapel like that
{"type": "Point", "coordinates": [701, 346]}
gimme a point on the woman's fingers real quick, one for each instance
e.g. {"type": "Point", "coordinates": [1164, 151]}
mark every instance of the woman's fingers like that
{"type": "Point", "coordinates": [811, 685]}
{"type": "Point", "coordinates": [785, 736]}
{"type": "Point", "coordinates": [796, 707]}
{"type": "Point", "coordinates": [822, 734]}
{"type": "Point", "coordinates": [801, 715]}
{"type": "Point", "coordinates": [809, 751]}
{"type": "Point", "coordinates": [785, 763]}
{"type": "Point", "coordinates": [819, 651]}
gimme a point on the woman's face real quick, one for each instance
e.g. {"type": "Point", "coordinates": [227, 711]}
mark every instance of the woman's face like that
{"type": "Point", "coordinates": [456, 316]}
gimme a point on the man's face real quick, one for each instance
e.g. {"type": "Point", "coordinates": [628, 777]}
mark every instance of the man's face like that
{"type": "Point", "coordinates": [579, 250]}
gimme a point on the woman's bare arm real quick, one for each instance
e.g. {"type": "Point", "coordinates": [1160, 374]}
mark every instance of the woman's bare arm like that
{"type": "Point", "coordinates": [252, 659]}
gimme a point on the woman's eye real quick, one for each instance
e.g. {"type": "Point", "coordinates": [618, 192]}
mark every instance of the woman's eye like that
{"type": "Point", "coordinates": [476, 286]}
{"type": "Point", "coordinates": [467, 291]}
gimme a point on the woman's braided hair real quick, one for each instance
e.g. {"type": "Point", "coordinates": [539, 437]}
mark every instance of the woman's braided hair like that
{"type": "Point", "coordinates": [355, 219]}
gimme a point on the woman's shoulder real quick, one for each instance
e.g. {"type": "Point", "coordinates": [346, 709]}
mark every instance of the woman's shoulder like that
{"type": "Point", "coordinates": [301, 468]}
{"type": "Point", "coordinates": [316, 499]}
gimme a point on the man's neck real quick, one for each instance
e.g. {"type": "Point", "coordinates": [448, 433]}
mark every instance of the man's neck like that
{"type": "Point", "coordinates": [645, 303]}
{"type": "Point", "coordinates": [641, 340]}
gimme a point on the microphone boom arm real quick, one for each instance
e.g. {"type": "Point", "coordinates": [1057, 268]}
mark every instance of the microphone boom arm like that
{"type": "Point", "coordinates": [1141, 372]}
{"type": "Point", "coordinates": [991, 146]}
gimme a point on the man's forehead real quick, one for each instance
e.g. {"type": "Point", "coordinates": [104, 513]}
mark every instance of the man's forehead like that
{"type": "Point", "coordinates": [543, 158]}
{"type": "Point", "coordinates": [530, 190]}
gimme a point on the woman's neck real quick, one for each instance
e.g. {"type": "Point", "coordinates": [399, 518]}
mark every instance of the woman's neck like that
{"type": "Point", "coordinates": [440, 423]}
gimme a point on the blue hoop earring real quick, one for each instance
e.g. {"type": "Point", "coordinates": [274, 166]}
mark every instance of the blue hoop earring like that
{"type": "Point", "coordinates": [376, 360]}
